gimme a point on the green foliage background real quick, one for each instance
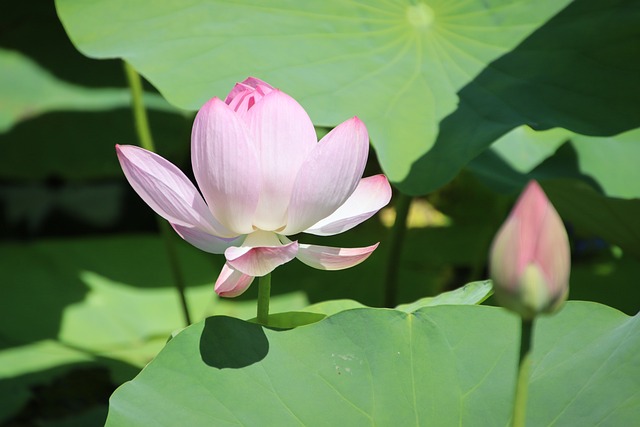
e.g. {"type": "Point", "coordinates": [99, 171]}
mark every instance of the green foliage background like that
{"type": "Point", "coordinates": [465, 102]}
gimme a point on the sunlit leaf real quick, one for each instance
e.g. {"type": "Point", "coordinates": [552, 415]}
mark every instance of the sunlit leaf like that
{"type": "Point", "coordinates": [445, 365]}
{"type": "Point", "coordinates": [436, 83]}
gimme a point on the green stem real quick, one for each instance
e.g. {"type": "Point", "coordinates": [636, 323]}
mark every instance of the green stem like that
{"type": "Point", "coordinates": [139, 112]}
{"type": "Point", "coordinates": [396, 243]}
{"type": "Point", "coordinates": [144, 136]}
{"type": "Point", "coordinates": [524, 372]}
{"type": "Point", "coordinates": [174, 265]}
{"type": "Point", "coordinates": [264, 293]}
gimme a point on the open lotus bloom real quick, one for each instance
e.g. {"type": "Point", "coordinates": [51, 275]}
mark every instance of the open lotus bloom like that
{"type": "Point", "coordinates": [263, 176]}
{"type": "Point", "coordinates": [530, 257]}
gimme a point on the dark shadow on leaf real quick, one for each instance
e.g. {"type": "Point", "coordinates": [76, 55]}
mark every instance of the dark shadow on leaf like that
{"type": "Point", "coordinates": [578, 71]}
{"type": "Point", "coordinates": [70, 394]}
{"type": "Point", "coordinates": [227, 342]}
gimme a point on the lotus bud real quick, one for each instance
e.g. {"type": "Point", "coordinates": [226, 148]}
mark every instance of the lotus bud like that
{"type": "Point", "coordinates": [530, 259]}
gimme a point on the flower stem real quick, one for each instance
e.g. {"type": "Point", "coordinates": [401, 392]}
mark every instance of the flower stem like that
{"type": "Point", "coordinates": [146, 141]}
{"type": "Point", "coordinates": [139, 112]}
{"type": "Point", "coordinates": [524, 368]}
{"type": "Point", "coordinates": [395, 250]}
{"type": "Point", "coordinates": [174, 266]}
{"type": "Point", "coordinates": [264, 293]}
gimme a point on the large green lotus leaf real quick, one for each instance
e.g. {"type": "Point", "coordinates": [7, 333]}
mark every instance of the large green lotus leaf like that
{"type": "Point", "coordinates": [444, 365]}
{"type": "Point", "coordinates": [611, 162]}
{"type": "Point", "coordinates": [524, 148]}
{"type": "Point", "coordinates": [471, 293]}
{"type": "Point", "coordinates": [435, 82]}
{"type": "Point", "coordinates": [27, 90]}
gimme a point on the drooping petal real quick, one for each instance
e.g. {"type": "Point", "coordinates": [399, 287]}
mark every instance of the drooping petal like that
{"type": "Point", "coordinates": [260, 254]}
{"type": "Point", "coordinates": [231, 282]}
{"type": "Point", "coordinates": [284, 137]}
{"type": "Point", "coordinates": [371, 195]}
{"type": "Point", "coordinates": [329, 175]}
{"type": "Point", "coordinates": [328, 258]}
{"type": "Point", "coordinates": [225, 164]}
{"type": "Point", "coordinates": [167, 190]}
{"type": "Point", "coordinates": [244, 95]}
{"type": "Point", "coordinates": [205, 241]}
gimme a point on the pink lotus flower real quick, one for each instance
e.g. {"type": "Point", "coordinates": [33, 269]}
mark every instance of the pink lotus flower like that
{"type": "Point", "coordinates": [530, 258]}
{"type": "Point", "coordinates": [263, 176]}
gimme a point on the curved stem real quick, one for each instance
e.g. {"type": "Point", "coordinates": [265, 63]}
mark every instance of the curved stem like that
{"type": "Point", "coordinates": [146, 141]}
{"type": "Point", "coordinates": [524, 368]}
{"type": "Point", "coordinates": [396, 243]}
{"type": "Point", "coordinates": [264, 294]}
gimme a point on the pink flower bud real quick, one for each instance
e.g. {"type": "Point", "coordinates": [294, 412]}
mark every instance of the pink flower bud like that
{"type": "Point", "coordinates": [530, 259]}
{"type": "Point", "coordinates": [245, 95]}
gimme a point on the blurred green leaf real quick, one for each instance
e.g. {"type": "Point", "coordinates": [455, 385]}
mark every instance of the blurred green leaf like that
{"type": "Point", "coordinates": [80, 145]}
{"type": "Point", "coordinates": [107, 296]}
{"type": "Point", "coordinates": [469, 294]}
{"type": "Point", "coordinates": [97, 301]}
{"type": "Point", "coordinates": [99, 204]}
{"type": "Point", "coordinates": [612, 162]}
{"type": "Point", "coordinates": [437, 365]}
{"type": "Point", "coordinates": [524, 148]}
{"type": "Point", "coordinates": [570, 183]}
{"type": "Point", "coordinates": [27, 91]}
{"type": "Point", "coordinates": [435, 84]}
{"type": "Point", "coordinates": [614, 220]}
{"type": "Point", "coordinates": [608, 280]}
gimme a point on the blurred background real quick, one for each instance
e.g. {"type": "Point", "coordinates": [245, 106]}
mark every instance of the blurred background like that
{"type": "Point", "coordinates": [87, 292]}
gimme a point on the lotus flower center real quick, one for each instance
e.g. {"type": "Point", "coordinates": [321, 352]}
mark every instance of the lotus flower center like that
{"type": "Point", "coordinates": [261, 238]}
{"type": "Point", "coordinates": [420, 16]}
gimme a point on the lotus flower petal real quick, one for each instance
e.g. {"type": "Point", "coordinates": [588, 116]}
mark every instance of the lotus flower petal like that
{"type": "Point", "coordinates": [371, 195]}
{"type": "Point", "coordinates": [329, 176]}
{"type": "Point", "coordinates": [284, 136]}
{"type": "Point", "coordinates": [231, 282]}
{"type": "Point", "coordinates": [260, 254]}
{"type": "Point", "coordinates": [328, 258]}
{"type": "Point", "coordinates": [205, 241]}
{"type": "Point", "coordinates": [225, 164]}
{"type": "Point", "coordinates": [167, 190]}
